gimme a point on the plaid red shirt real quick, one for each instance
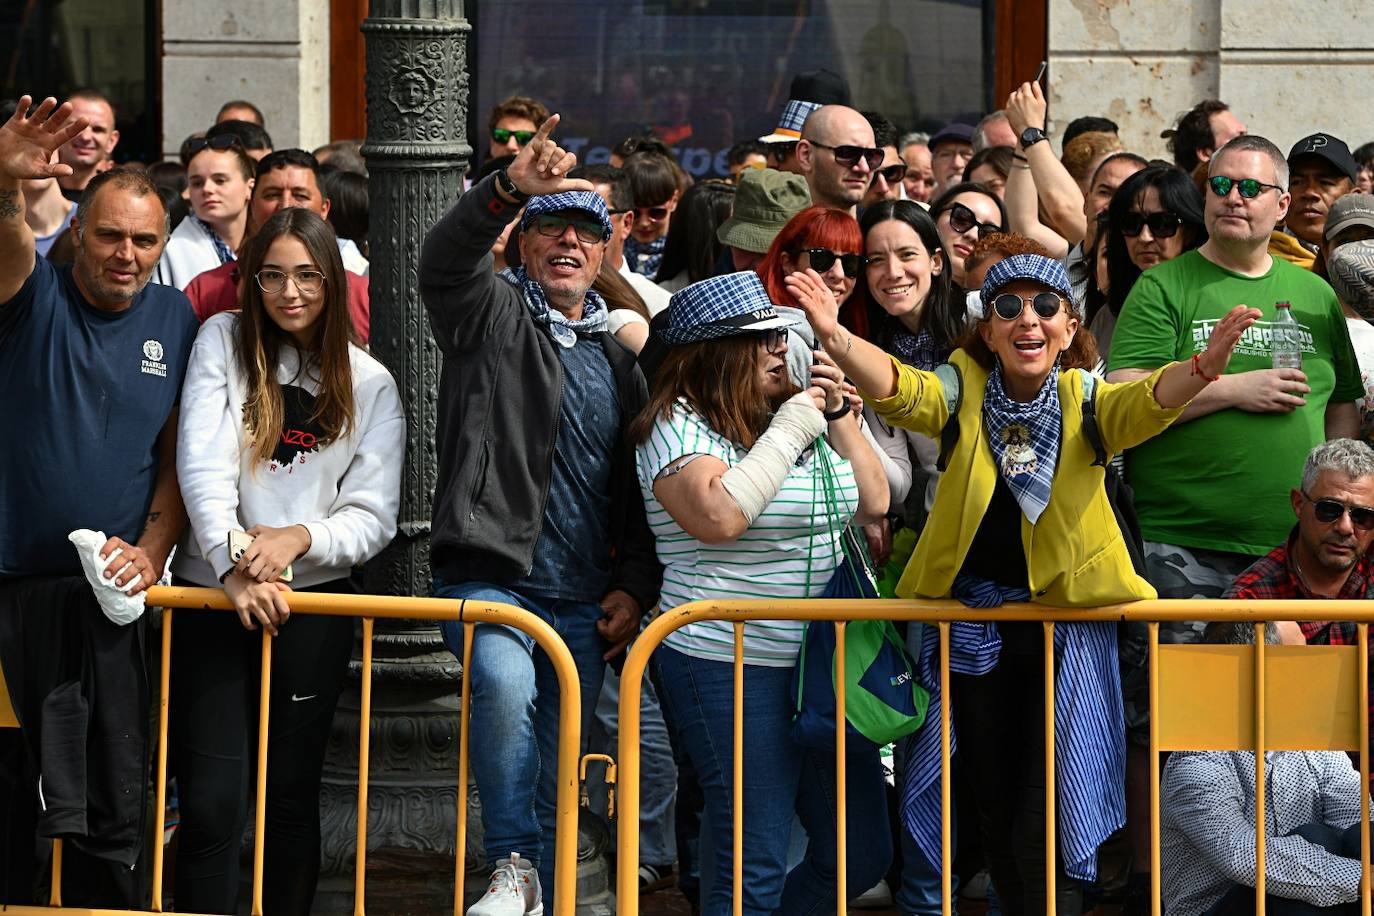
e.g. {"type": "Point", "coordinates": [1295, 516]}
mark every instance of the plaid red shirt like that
{"type": "Point", "coordinates": [1274, 576]}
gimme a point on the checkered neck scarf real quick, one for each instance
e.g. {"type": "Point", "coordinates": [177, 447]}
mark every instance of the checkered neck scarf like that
{"type": "Point", "coordinates": [919, 350]}
{"type": "Point", "coordinates": [1025, 440]}
{"type": "Point", "coordinates": [644, 257]}
{"type": "Point", "coordinates": [222, 251]}
{"type": "Point", "coordinates": [564, 331]}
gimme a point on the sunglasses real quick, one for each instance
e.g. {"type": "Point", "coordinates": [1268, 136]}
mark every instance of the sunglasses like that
{"type": "Point", "coordinates": [822, 259]}
{"type": "Point", "coordinates": [961, 220]}
{"type": "Point", "coordinates": [1163, 225]}
{"type": "Point", "coordinates": [554, 226]}
{"type": "Point", "coordinates": [1010, 306]}
{"type": "Point", "coordinates": [773, 339]}
{"type": "Point", "coordinates": [274, 281]}
{"type": "Point", "coordinates": [892, 173]}
{"type": "Point", "coordinates": [501, 135]}
{"type": "Point", "coordinates": [849, 156]}
{"type": "Point", "coordinates": [219, 143]}
{"type": "Point", "coordinates": [1250, 188]}
{"type": "Point", "coordinates": [1329, 511]}
{"type": "Point", "coordinates": [654, 214]}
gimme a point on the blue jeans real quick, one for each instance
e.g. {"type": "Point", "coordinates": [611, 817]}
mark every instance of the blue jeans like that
{"type": "Point", "coordinates": [514, 726]}
{"type": "Point", "coordinates": [780, 778]}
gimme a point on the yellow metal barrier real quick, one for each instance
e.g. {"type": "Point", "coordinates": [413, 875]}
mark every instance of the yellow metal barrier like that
{"type": "Point", "coordinates": [369, 608]}
{"type": "Point", "coordinates": [1257, 697]}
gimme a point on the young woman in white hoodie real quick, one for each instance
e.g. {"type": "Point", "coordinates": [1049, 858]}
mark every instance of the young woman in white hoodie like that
{"type": "Point", "coordinates": [293, 434]}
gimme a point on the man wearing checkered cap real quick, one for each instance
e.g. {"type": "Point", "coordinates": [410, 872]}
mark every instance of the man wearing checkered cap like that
{"type": "Point", "coordinates": [536, 503]}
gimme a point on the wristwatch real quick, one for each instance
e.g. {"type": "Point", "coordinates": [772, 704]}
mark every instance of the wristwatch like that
{"type": "Point", "coordinates": [1031, 136]}
{"type": "Point", "coordinates": [509, 189]}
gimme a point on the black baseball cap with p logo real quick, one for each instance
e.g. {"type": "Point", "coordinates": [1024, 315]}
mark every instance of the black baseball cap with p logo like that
{"type": "Point", "coordinates": [1325, 146]}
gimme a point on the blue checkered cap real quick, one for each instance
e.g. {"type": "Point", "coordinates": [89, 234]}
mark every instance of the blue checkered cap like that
{"type": "Point", "coordinates": [794, 115]}
{"type": "Point", "coordinates": [721, 306]}
{"type": "Point", "coordinates": [1046, 271]}
{"type": "Point", "coordinates": [590, 201]}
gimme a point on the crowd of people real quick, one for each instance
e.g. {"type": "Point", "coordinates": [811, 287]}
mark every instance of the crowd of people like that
{"type": "Point", "coordinates": [961, 362]}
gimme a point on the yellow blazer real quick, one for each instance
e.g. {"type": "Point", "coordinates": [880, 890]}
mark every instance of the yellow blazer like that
{"type": "Point", "coordinates": [1075, 555]}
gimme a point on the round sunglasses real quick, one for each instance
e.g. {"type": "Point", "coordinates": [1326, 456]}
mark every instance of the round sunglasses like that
{"type": "Point", "coordinates": [849, 156]}
{"type": "Point", "coordinates": [1010, 306]}
{"type": "Point", "coordinates": [962, 219]}
{"type": "Point", "coordinates": [655, 214]}
{"type": "Point", "coordinates": [822, 259]}
{"type": "Point", "coordinates": [1249, 188]}
{"type": "Point", "coordinates": [1329, 511]}
{"type": "Point", "coordinates": [1163, 224]}
{"type": "Point", "coordinates": [502, 136]}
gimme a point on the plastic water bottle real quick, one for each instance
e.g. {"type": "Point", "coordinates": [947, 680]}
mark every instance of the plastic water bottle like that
{"type": "Point", "coordinates": [1286, 338]}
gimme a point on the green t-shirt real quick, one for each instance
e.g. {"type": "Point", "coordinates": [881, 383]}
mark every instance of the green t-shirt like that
{"type": "Point", "coordinates": [1222, 481]}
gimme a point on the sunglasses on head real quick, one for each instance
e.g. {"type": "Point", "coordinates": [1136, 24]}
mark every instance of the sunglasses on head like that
{"type": "Point", "coordinates": [1163, 225]}
{"type": "Point", "coordinates": [1010, 306]}
{"type": "Point", "coordinates": [553, 226]}
{"type": "Point", "coordinates": [1329, 511]}
{"type": "Point", "coordinates": [892, 173]}
{"type": "Point", "coordinates": [652, 213]}
{"type": "Point", "coordinates": [219, 143]}
{"type": "Point", "coordinates": [961, 219]}
{"type": "Point", "coordinates": [1249, 188]}
{"type": "Point", "coordinates": [849, 156]}
{"type": "Point", "coordinates": [822, 259]}
{"type": "Point", "coordinates": [501, 135]}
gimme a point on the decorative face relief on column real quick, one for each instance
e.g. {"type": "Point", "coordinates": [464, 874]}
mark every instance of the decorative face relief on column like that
{"type": "Point", "coordinates": [420, 92]}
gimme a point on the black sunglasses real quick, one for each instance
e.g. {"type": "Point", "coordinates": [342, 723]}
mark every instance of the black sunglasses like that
{"type": "Point", "coordinates": [553, 226]}
{"type": "Point", "coordinates": [961, 219]}
{"type": "Point", "coordinates": [218, 143]}
{"type": "Point", "coordinates": [891, 173]}
{"type": "Point", "coordinates": [654, 213]}
{"type": "Point", "coordinates": [1250, 188]}
{"type": "Point", "coordinates": [822, 259]}
{"type": "Point", "coordinates": [849, 156]}
{"type": "Point", "coordinates": [1010, 306]}
{"type": "Point", "coordinates": [1329, 511]}
{"type": "Point", "coordinates": [773, 339]}
{"type": "Point", "coordinates": [1163, 224]}
{"type": "Point", "coordinates": [501, 135]}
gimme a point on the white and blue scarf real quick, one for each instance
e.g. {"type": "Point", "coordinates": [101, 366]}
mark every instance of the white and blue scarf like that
{"type": "Point", "coordinates": [645, 257]}
{"type": "Point", "coordinates": [1025, 440]}
{"type": "Point", "coordinates": [222, 249]}
{"type": "Point", "coordinates": [563, 329]}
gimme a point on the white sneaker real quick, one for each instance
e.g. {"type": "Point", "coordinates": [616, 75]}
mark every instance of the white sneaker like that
{"type": "Point", "coordinates": [514, 891]}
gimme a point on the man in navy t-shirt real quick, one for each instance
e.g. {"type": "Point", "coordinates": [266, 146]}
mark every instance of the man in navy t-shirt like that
{"type": "Point", "coordinates": [91, 363]}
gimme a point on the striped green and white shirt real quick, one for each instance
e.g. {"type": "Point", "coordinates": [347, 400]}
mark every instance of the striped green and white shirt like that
{"type": "Point", "coordinates": [790, 551]}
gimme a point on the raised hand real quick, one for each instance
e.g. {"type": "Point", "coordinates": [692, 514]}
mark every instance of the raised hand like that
{"type": "Point", "coordinates": [1026, 108]}
{"type": "Point", "coordinates": [818, 302]}
{"type": "Point", "coordinates": [1224, 338]}
{"type": "Point", "coordinates": [542, 166]}
{"type": "Point", "coordinates": [29, 139]}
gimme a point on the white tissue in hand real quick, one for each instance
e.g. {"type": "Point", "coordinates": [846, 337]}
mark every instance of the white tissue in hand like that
{"type": "Point", "coordinates": [118, 605]}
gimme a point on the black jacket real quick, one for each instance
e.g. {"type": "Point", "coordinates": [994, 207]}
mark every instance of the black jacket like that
{"type": "Point", "coordinates": [499, 396]}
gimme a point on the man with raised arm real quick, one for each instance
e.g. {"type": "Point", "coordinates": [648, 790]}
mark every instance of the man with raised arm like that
{"type": "Point", "coordinates": [536, 503]}
{"type": "Point", "coordinates": [91, 363]}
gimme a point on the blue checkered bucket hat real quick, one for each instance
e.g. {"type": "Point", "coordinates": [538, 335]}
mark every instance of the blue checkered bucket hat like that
{"type": "Point", "coordinates": [1046, 271]}
{"type": "Point", "coordinates": [794, 115]}
{"type": "Point", "coordinates": [589, 201]}
{"type": "Point", "coordinates": [721, 306]}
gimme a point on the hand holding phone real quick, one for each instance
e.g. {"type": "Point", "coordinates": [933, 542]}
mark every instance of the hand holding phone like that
{"type": "Point", "coordinates": [240, 541]}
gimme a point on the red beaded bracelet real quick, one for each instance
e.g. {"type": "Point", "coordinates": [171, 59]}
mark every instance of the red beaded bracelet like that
{"type": "Point", "coordinates": [1197, 369]}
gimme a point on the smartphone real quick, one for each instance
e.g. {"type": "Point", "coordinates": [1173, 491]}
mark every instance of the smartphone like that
{"type": "Point", "coordinates": [1040, 74]}
{"type": "Point", "coordinates": [238, 546]}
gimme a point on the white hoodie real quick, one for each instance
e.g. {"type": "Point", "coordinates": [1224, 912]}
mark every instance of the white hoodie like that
{"type": "Point", "coordinates": [346, 493]}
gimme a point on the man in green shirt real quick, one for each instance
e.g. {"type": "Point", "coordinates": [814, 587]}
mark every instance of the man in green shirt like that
{"type": "Point", "coordinates": [1210, 490]}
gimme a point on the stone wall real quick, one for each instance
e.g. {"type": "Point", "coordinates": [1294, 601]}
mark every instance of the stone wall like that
{"type": "Point", "coordinates": [274, 53]}
{"type": "Point", "coordinates": [1285, 71]}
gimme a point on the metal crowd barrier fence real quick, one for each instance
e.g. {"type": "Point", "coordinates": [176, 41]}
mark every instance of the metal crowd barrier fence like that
{"type": "Point", "coordinates": [1203, 697]}
{"type": "Point", "coordinates": [369, 608]}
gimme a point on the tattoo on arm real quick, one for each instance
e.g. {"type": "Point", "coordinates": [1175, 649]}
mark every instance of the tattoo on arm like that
{"type": "Point", "coordinates": [9, 204]}
{"type": "Point", "coordinates": [152, 517]}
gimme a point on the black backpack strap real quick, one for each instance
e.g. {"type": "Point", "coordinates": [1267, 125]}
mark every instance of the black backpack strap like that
{"type": "Point", "coordinates": [953, 384]}
{"type": "Point", "coordinates": [1091, 431]}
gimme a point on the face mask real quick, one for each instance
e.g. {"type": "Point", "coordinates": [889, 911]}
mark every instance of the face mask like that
{"type": "Point", "coordinates": [974, 304]}
{"type": "Point", "coordinates": [1351, 269]}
